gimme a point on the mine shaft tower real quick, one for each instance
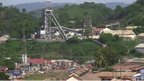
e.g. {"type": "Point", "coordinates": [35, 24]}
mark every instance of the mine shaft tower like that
{"type": "Point", "coordinates": [49, 20]}
{"type": "Point", "coordinates": [87, 28]}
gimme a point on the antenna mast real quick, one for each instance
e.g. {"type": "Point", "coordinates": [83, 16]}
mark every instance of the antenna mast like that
{"type": "Point", "coordinates": [24, 48]}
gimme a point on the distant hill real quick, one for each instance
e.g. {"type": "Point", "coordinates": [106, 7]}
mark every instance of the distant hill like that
{"type": "Point", "coordinates": [39, 5]}
{"type": "Point", "coordinates": [100, 13]}
{"type": "Point", "coordinates": [113, 5]}
{"type": "Point", "coordinates": [134, 13]}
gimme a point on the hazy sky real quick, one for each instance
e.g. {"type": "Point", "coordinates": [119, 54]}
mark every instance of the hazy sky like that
{"type": "Point", "coordinates": [13, 2]}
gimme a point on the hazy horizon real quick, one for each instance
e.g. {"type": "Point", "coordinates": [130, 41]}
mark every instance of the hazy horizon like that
{"type": "Point", "coordinates": [14, 2]}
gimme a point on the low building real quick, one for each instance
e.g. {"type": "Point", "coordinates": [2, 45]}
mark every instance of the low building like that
{"type": "Point", "coordinates": [4, 38]}
{"type": "Point", "coordinates": [131, 27]}
{"type": "Point", "coordinates": [73, 78]}
{"type": "Point", "coordinates": [79, 72]}
{"type": "Point", "coordinates": [86, 77]}
{"type": "Point", "coordinates": [134, 60]}
{"type": "Point", "coordinates": [63, 64]}
{"type": "Point", "coordinates": [127, 67]}
{"type": "Point", "coordinates": [37, 63]}
{"type": "Point", "coordinates": [3, 69]}
{"type": "Point", "coordinates": [141, 36]}
{"type": "Point", "coordinates": [111, 75]}
{"type": "Point", "coordinates": [140, 48]}
{"type": "Point", "coordinates": [127, 34]}
{"type": "Point", "coordinates": [138, 77]}
{"type": "Point", "coordinates": [116, 79]}
{"type": "Point", "coordinates": [42, 34]}
{"type": "Point", "coordinates": [90, 63]}
{"type": "Point", "coordinates": [83, 74]}
{"type": "Point", "coordinates": [98, 31]}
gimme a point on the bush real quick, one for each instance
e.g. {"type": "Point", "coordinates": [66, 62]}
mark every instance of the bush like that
{"type": "Point", "coordinates": [3, 76]}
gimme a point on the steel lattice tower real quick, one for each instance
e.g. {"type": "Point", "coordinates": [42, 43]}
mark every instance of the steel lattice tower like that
{"type": "Point", "coordinates": [50, 19]}
{"type": "Point", "coordinates": [87, 26]}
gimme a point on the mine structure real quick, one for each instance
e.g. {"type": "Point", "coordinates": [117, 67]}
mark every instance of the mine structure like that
{"type": "Point", "coordinates": [55, 31]}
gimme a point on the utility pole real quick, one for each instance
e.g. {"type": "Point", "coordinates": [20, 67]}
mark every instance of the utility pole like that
{"type": "Point", "coordinates": [24, 48]}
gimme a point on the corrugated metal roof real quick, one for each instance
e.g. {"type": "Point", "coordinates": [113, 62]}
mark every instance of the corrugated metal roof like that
{"type": "Point", "coordinates": [141, 45]}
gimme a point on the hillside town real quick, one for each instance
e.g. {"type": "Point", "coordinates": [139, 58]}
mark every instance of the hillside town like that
{"type": "Point", "coordinates": [74, 42]}
{"type": "Point", "coordinates": [128, 69]}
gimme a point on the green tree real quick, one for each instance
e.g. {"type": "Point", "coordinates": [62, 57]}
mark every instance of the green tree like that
{"type": "Point", "coordinates": [106, 38]}
{"type": "Point", "coordinates": [139, 30]}
{"type": "Point", "coordinates": [73, 40]}
{"type": "Point", "coordinates": [118, 12]}
{"type": "Point", "coordinates": [3, 76]}
{"type": "Point", "coordinates": [8, 63]}
{"type": "Point", "coordinates": [12, 20]}
{"type": "Point", "coordinates": [1, 5]}
{"type": "Point", "coordinates": [140, 2]}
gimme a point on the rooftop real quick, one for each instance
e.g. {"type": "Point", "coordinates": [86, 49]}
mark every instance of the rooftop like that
{"type": "Point", "coordinates": [141, 35]}
{"type": "Point", "coordinates": [36, 61]}
{"type": "Point", "coordinates": [98, 29]}
{"type": "Point", "coordinates": [89, 76]}
{"type": "Point", "coordinates": [126, 66]}
{"type": "Point", "coordinates": [3, 68]}
{"type": "Point", "coordinates": [123, 32]}
{"type": "Point", "coordinates": [115, 74]}
{"type": "Point", "coordinates": [79, 72]}
{"type": "Point", "coordinates": [141, 45]}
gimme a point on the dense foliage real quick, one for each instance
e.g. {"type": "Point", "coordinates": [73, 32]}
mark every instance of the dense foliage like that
{"type": "Point", "coordinates": [74, 15]}
{"type": "Point", "coordinates": [133, 13]}
{"type": "Point", "coordinates": [12, 22]}
{"type": "Point", "coordinates": [3, 76]}
{"type": "Point", "coordinates": [73, 49]}
{"type": "Point", "coordinates": [139, 29]}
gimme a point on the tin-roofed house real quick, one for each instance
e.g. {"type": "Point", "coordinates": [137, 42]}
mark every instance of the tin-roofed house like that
{"type": "Point", "coordinates": [83, 74]}
{"type": "Point", "coordinates": [140, 48]}
{"type": "Point", "coordinates": [37, 63]}
{"type": "Point", "coordinates": [3, 69]}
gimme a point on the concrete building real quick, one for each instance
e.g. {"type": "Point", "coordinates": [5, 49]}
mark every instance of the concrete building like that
{"type": "Point", "coordinates": [140, 47]}
{"type": "Point", "coordinates": [108, 76]}
{"type": "Point", "coordinates": [127, 67]}
{"type": "Point", "coordinates": [83, 74]}
{"type": "Point", "coordinates": [3, 69]}
{"type": "Point", "coordinates": [134, 60]}
{"type": "Point", "coordinates": [141, 37]}
{"type": "Point", "coordinates": [98, 31]}
{"type": "Point", "coordinates": [131, 27]}
{"type": "Point", "coordinates": [127, 34]}
{"type": "Point", "coordinates": [4, 38]}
